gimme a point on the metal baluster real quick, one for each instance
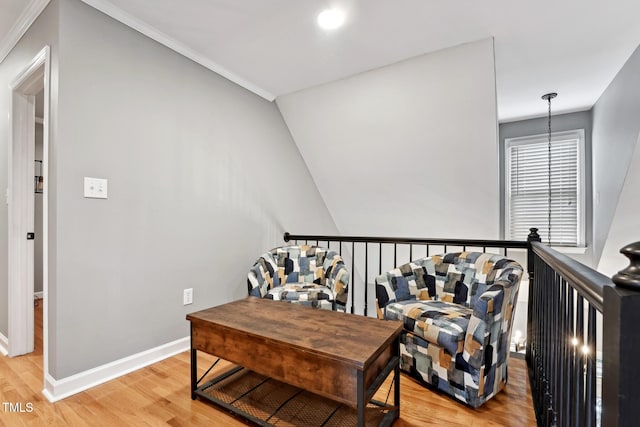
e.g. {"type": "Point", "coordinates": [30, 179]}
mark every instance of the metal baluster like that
{"type": "Point", "coordinates": [366, 279]}
{"type": "Point", "coordinates": [551, 331]}
{"type": "Point", "coordinates": [563, 362]}
{"type": "Point", "coordinates": [395, 255]}
{"type": "Point", "coordinates": [539, 363]}
{"type": "Point", "coordinates": [549, 350]}
{"type": "Point", "coordinates": [544, 337]}
{"type": "Point", "coordinates": [544, 388]}
{"type": "Point", "coordinates": [353, 288]}
{"type": "Point", "coordinates": [590, 392]}
{"type": "Point", "coordinates": [555, 373]}
{"type": "Point", "coordinates": [571, 389]}
{"type": "Point", "coordinates": [579, 369]}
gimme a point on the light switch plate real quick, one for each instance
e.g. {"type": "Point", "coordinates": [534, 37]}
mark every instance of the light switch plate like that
{"type": "Point", "coordinates": [95, 188]}
{"type": "Point", "coordinates": [187, 296]}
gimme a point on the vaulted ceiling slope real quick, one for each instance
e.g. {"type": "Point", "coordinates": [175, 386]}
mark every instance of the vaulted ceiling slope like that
{"type": "Point", "coordinates": [409, 149]}
{"type": "Point", "coordinates": [574, 47]}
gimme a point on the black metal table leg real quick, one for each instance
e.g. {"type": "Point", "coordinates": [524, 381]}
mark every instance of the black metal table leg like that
{"type": "Point", "coordinates": [194, 369]}
{"type": "Point", "coordinates": [396, 379]}
{"type": "Point", "coordinates": [361, 399]}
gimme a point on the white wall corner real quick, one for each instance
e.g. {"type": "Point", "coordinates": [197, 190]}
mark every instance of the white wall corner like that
{"type": "Point", "coordinates": [625, 222]}
{"type": "Point", "coordinates": [55, 390]}
{"type": "Point", "coordinates": [20, 27]}
{"type": "Point", "coordinates": [4, 345]}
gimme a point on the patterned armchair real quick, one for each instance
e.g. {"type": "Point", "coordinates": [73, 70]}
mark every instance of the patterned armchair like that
{"type": "Point", "coordinates": [308, 275]}
{"type": "Point", "coordinates": [457, 310]}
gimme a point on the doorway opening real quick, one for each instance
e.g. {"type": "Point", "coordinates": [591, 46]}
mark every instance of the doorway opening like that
{"type": "Point", "coordinates": [28, 189]}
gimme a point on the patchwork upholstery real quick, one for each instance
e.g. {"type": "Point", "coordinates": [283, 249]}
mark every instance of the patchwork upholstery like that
{"type": "Point", "coordinates": [307, 275]}
{"type": "Point", "coordinates": [457, 310]}
{"type": "Point", "coordinates": [303, 293]}
{"type": "Point", "coordinates": [438, 322]}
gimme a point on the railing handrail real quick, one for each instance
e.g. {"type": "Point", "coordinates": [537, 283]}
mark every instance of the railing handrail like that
{"type": "Point", "coordinates": [587, 281]}
{"type": "Point", "coordinates": [509, 244]}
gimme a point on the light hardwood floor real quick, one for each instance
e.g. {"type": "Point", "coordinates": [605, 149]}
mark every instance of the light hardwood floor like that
{"type": "Point", "coordinates": [159, 395]}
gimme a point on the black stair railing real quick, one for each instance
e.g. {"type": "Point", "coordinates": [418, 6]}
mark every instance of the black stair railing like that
{"type": "Point", "coordinates": [368, 257]}
{"type": "Point", "coordinates": [579, 377]}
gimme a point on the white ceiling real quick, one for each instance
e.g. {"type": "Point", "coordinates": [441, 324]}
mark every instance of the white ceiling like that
{"type": "Point", "coordinates": [573, 47]}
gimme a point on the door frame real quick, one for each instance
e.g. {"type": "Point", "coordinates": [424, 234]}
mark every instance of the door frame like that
{"type": "Point", "coordinates": [33, 78]}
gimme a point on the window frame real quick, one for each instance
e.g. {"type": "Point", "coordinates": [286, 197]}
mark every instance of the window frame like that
{"type": "Point", "coordinates": [578, 134]}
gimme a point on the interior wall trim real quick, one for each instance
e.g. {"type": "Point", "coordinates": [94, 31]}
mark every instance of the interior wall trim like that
{"type": "Point", "coordinates": [24, 21]}
{"type": "Point", "coordinates": [55, 390]}
{"type": "Point", "coordinates": [4, 345]}
{"type": "Point", "coordinates": [118, 14]}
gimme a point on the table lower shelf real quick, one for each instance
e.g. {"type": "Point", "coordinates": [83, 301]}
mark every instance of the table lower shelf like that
{"type": "Point", "coordinates": [267, 402]}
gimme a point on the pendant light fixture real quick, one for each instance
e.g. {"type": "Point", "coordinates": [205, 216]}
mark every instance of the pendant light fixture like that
{"type": "Point", "coordinates": [548, 97]}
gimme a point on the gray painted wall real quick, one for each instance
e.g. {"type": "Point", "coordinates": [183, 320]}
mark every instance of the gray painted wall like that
{"type": "Point", "coordinates": [616, 125]}
{"type": "Point", "coordinates": [203, 178]}
{"type": "Point", "coordinates": [559, 123]}
{"type": "Point", "coordinates": [43, 31]}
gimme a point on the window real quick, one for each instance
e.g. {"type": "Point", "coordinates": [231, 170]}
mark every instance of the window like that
{"type": "Point", "coordinates": [527, 200]}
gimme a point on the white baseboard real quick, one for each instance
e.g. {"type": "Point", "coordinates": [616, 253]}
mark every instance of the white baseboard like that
{"type": "Point", "coordinates": [38, 295]}
{"type": "Point", "coordinates": [55, 390]}
{"type": "Point", "coordinates": [4, 345]}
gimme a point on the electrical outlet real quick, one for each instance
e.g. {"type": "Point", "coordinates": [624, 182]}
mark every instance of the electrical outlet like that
{"type": "Point", "coordinates": [187, 296]}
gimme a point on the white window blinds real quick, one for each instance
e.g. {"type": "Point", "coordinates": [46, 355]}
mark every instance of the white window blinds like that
{"type": "Point", "coordinates": [528, 202]}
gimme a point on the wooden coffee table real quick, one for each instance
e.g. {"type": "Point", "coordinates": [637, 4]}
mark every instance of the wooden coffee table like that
{"type": "Point", "coordinates": [326, 354]}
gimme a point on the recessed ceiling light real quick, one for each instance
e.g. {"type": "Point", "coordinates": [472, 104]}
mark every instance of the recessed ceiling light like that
{"type": "Point", "coordinates": [330, 19]}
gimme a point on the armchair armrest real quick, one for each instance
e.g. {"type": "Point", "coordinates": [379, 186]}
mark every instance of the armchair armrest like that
{"type": "Point", "coordinates": [338, 281]}
{"type": "Point", "coordinates": [260, 277]}
{"type": "Point", "coordinates": [488, 328]}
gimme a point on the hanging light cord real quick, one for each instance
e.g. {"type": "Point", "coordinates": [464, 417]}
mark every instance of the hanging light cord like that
{"type": "Point", "coordinates": [549, 165]}
{"type": "Point", "coordinates": [548, 97]}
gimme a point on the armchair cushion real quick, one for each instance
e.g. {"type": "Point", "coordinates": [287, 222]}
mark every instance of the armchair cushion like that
{"type": "Point", "coordinates": [300, 292]}
{"type": "Point", "coordinates": [438, 322]}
